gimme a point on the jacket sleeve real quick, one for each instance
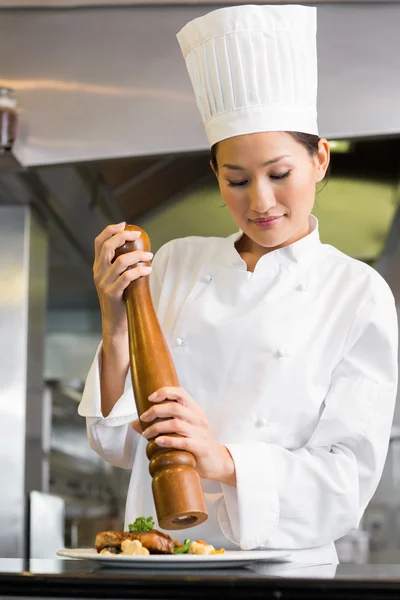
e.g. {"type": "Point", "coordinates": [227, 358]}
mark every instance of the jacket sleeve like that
{"type": "Point", "coordinates": [314, 495]}
{"type": "Point", "coordinates": [112, 437]}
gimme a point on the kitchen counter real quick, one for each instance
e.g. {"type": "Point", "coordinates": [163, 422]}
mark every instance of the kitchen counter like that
{"type": "Point", "coordinates": [81, 579]}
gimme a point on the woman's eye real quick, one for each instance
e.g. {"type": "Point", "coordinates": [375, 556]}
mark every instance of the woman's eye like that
{"type": "Point", "coordinates": [246, 181]}
{"type": "Point", "coordinates": [281, 176]}
{"type": "Point", "coordinates": [237, 183]}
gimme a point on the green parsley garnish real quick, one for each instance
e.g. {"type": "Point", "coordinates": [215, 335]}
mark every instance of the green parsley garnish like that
{"type": "Point", "coordinates": [141, 525]}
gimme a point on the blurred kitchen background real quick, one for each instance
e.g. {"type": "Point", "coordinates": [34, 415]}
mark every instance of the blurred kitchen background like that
{"type": "Point", "coordinates": [107, 130]}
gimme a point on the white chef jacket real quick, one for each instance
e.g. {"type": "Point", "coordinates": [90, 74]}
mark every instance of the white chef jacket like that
{"type": "Point", "coordinates": [295, 366]}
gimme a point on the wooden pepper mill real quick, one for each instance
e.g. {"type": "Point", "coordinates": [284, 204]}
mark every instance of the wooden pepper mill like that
{"type": "Point", "coordinates": [177, 491]}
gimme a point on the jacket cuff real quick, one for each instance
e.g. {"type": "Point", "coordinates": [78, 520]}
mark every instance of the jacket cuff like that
{"type": "Point", "coordinates": [249, 513]}
{"type": "Point", "coordinates": [124, 410]}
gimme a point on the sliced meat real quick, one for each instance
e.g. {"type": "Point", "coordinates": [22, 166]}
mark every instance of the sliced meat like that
{"type": "Point", "coordinates": [110, 539]}
{"type": "Point", "coordinates": [155, 541]}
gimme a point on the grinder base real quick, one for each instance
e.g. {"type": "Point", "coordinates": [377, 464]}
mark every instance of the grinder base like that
{"type": "Point", "coordinates": [178, 498]}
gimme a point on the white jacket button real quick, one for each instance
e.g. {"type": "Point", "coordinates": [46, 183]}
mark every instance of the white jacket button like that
{"type": "Point", "coordinates": [208, 278]}
{"type": "Point", "coordinates": [181, 342]}
{"type": "Point", "coordinates": [301, 287]}
{"type": "Point", "coordinates": [282, 353]}
{"type": "Point", "coordinates": [261, 422]}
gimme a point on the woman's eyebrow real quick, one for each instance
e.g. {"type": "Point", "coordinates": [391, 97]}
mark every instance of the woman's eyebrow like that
{"type": "Point", "coordinates": [266, 164]}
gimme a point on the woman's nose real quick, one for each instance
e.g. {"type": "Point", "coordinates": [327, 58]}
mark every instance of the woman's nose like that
{"type": "Point", "coordinates": [262, 199]}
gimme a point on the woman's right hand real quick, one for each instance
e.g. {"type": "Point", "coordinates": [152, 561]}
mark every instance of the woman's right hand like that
{"type": "Point", "coordinates": [112, 278]}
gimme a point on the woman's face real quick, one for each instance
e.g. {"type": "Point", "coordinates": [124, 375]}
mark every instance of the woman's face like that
{"type": "Point", "coordinates": [268, 181]}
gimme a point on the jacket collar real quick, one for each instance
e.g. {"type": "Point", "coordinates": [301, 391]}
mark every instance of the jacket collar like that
{"type": "Point", "coordinates": [300, 252]}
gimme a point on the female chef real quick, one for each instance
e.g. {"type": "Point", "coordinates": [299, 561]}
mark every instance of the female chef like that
{"type": "Point", "coordinates": [286, 349]}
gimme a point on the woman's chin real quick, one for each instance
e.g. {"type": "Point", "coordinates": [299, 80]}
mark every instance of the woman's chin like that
{"type": "Point", "coordinates": [269, 237]}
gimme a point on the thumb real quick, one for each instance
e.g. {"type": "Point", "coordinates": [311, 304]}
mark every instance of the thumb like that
{"type": "Point", "coordinates": [137, 426]}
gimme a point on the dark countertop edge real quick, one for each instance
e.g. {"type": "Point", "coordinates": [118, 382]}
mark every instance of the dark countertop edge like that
{"type": "Point", "coordinates": [115, 586]}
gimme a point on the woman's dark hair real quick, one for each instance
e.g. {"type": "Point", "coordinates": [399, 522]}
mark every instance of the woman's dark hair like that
{"type": "Point", "coordinates": [308, 140]}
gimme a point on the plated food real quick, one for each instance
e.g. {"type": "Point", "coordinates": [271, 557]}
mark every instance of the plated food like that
{"type": "Point", "coordinates": [143, 539]}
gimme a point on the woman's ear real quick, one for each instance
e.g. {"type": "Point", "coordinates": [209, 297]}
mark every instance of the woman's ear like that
{"type": "Point", "coordinates": [322, 159]}
{"type": "Point", "coordinates": [214, 169]}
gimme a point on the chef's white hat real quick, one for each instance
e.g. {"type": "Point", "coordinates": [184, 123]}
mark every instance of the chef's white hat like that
{"type": "Point", "coordinates": [253, 68]}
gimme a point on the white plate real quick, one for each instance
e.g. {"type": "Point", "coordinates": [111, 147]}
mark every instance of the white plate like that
{"type": "Point", "coordinates": [230, 558]}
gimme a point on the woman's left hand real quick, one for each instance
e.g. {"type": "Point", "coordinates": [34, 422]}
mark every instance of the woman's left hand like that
{"type": "Point", "coordinates": [187, 419]}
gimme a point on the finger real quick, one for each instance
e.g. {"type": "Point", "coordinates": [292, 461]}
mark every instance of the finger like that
{"type": "Point", "coordinates": [108, 275]}
{"type": "Point", "coordinates": [168, 410]}
{"type": "Point", "coordinates": [196, 447]}
{"type": "Point", "coordinates": [174, 393]}
{"type": "Point", "coordinates": [107, 233]}
{"type": "Point", "coordinates": [125, 261]}
{"type": "Point", "coordinates": [110, 245]}
{"type": "Point", "coordinates": [171, 426]}
{"type": "Point", "coordinates": [137, 426]}
{"type": "Point", "coordinates": [116, 289]}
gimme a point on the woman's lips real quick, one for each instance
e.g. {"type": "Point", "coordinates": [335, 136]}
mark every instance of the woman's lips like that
{"type": "Point", "coordinates": [267, 222]}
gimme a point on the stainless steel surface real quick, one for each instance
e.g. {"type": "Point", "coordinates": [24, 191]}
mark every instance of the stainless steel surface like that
{"type": "Point", "coordinates": [46, 525]}
{"type": "Point", "coordinates": [389, 572]}
{"type": "Point", "coordinates": [95, 3]}
{"type": "Point", "coordinates": [83, 218]}
{"type": "Point", "coordinates": [112, 81]}
{"type": "Point", "coordinates": [23, 256]}
{"type": "Point", "coordinates": [71, 229]}
{"type": "Point", "coordinates": [93, 492]}
{"type": "Point", "coordinates": [37, 279]}
{"type": "Point", "coordinates": [9, 163]}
